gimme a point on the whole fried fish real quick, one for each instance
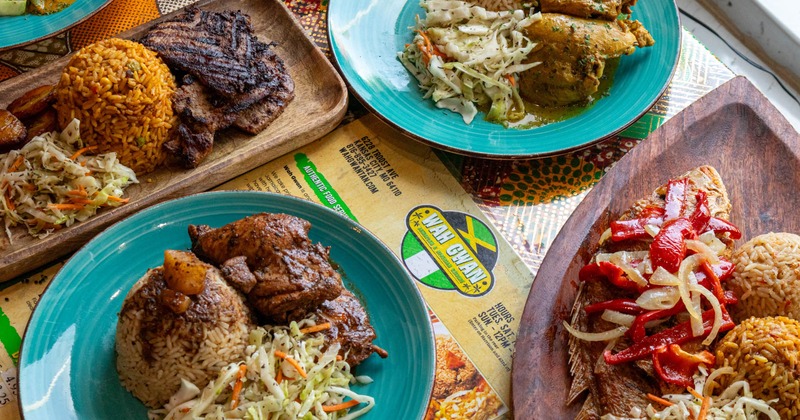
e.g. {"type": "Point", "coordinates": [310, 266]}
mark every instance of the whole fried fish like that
{"type": "Point", "coordinates": [621, 390]}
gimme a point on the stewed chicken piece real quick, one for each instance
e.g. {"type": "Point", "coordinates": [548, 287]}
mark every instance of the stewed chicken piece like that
{"type": "Point", "coordinates": [270, 258]}
{"type": "Point", "coordinates": [350, 327]}
{"type": "Point", "coordinates": [573, 53]}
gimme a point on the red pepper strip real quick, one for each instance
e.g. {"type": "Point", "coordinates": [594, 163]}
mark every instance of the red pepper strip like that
{"type": "Point", "coordinates": [701, 214]}
{"type": "Point", "coordinates": [678, 334]}
{"type": "Point", "coordinates": [716, 286]}
{"type": "Point", "coordinates": [637, 331]}
{"type": "Point", "coordinates": [626, 306]}
{"type": "Point", "coordinates": [669, 246]}
{"type": "Point", "coordinates": [634, 228]}
{"type": "Point", "coordinates": [608, 271]}
{"type": "Point", "coordinates": [719, 225]}
{"type": "Point", "coordinates": [730, 298]}
{"type": "Point", "coordinates": [676, 366]}
{"type": "Point", "coordinates": [675, 199]}
{"type": "Point", "coordinates": [723, 270]}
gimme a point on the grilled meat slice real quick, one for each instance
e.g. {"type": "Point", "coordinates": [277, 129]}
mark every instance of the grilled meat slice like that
{"type": "Point", "coordinates": [189, 147]}
{"type": "Point", "coordinates": [197, 105]}
{"type": "Point", "coordinates": [618, 389]}
{"type": "Point", "coordinates": [292, 273]}
{"type": "Point", "coordinates": [202, 114]}
{"type": "Point", "coordinates": [350, 327]}
{"type": "Point", "coordinates": [260, 115]}
{"type": "Point", "coordinates": [231, 76]}
{"type": "Point", "coordinates": [219, 48]}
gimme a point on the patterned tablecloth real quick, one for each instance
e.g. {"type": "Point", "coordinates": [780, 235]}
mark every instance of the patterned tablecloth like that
{"type": "Point", "coordinates": [527, 200]}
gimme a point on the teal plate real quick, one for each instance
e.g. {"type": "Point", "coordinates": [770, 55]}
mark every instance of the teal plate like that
{"type": "Point", "coordinates": [365, 36]}
{"type": "Point", "coordinates": [19, 30]}
{"type": "Point", "coordinates": [67, 364]}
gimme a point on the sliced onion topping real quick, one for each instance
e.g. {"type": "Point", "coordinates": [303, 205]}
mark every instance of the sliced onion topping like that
{"type": "Point", "coordinates": [600, 336]}
{"type": "Point", "coordinates": [616, 317]}
{"type": "Point", "coordinates": [659, 298]}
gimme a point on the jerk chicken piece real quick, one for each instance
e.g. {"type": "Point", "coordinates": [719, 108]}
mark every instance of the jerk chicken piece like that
{"type": "Point", "coordinates": [271, 259]}
{"type": "Point", "coordinates": [350, 327]}
{"type": "Point", "coordinates": [573, 53]}
{"type": "Point", "coordinates": [600, 9]}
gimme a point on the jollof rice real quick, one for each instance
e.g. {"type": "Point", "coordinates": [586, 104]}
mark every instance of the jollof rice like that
{"type": "Point", "coordinates": [764, 352]}
{"type": "Point", "coordinates": [122, 94]}
{"type": "Point", "coordinates": [767, 277]}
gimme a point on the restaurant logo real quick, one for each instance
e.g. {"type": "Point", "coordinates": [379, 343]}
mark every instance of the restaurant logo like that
{"type": "Point", "coordinates": [450, 250]}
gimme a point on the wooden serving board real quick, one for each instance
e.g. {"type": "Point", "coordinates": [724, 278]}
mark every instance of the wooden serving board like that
{"type": "Point", "coordinates": [735, 129]}
{"type": "Point", "coordinates": [319, 105]}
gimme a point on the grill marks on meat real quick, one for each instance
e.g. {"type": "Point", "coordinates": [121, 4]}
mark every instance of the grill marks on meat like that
{"type": "Point", "coordinates": [292, 273]}
{"type": "Point", "coordinates": [285, 276]}
{"type": "Point", "coordinates": [232, 78]}
{"type": "Point", "coordinates": [217, 47]}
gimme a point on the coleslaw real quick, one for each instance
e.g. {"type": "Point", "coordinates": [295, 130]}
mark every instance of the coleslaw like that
{"type": "Point", "coordinates": [287, 374]}
{"type": "Point", "coordinates": [50, 182]}
{"type": "Point", "coordinates": [465, 57]}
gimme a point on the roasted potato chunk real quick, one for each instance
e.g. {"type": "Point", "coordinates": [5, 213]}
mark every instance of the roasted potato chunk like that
{"type": "Point", "coordinates": [45, 122]}
{"type": "Point", "coordinates": [33, 102]}
{"type": "Point", "coordinates": [184, 272]}
{"type": "Point", "coordinates": [13, 133]}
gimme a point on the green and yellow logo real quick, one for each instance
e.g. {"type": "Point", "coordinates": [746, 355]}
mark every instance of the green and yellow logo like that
{"type": "Point", "coordinates": [450, 250]}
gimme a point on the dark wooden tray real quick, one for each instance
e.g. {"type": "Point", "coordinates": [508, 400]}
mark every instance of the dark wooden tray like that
{"type": "Point", "coordinates": [319, 105]}
{"type": "Point", "coordinates": [735, 129]}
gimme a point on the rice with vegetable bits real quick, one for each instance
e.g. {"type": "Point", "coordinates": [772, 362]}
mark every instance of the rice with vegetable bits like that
{"type": "Point", "coordinates": [764, 352]}
{"type": "Point", "coordinates": [122, 94]}
{"type": "Point", "coordinates": [767, 277]}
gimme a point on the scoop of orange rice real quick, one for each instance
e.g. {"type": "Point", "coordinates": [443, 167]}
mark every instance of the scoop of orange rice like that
{"type": "Point", "coordinates": [766, 353]}
{"type": "Point", "coordinates": [122, 94]}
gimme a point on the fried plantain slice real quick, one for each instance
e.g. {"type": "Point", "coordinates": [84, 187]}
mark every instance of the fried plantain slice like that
{"type": "Point", "coordinates": [45, 122]}
{"type": "Point", "coordinates": [32, 102]}
{"type": "Point", "coordinates": [12, 132]}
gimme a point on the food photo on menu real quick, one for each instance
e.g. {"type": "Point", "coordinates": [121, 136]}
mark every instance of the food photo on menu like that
{"type": "Point", "coordinates": [416, 209]}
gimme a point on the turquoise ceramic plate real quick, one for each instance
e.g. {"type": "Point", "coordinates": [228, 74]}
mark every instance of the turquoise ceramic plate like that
{"type": "Point", "coordinates": [67, 367]}
{"type": "Point", "coordinates": [19, 30]}
{"type": "Point", "coordinates": [365, 36]}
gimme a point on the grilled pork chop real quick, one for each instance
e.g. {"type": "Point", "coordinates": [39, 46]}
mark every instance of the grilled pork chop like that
{"type": "Point", "coordinates": [219, 48]}
{"type": "Point", "coordinates": [232, 78]}
{"type": "Point", "coordinates": [619, 389]}
{"type": "Point", "coordinates": [293, 275]}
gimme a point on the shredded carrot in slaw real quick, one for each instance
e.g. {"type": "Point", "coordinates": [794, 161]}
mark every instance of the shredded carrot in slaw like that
{"type": "Point", "coordinates": [237, 387]}
{"type": "Point", "coordinates": [82, 151]}
{"type": "Point", "coordinates": [337, 407]}
{"type": "Point", "coordinates": [316, 328]}
{"type": "Point", "coordinates": [292, 362]}
{"type": "Point", "coordinates": [659, 400]}
{"type": "Point", "coordinates": [704, 408]}
{"type": "Point", "coordinates": [17, 163]}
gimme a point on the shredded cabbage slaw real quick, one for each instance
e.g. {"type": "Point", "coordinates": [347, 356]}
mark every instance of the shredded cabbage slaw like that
{"type": "Point", "coordinates": [287, 374]}
{"type": "Point", "coordinates": [736, 402]}
{"type": "Point", "coordinates": [464, 55]}
{"type": "Point", "coordinates": [50, 182]}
